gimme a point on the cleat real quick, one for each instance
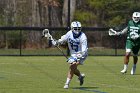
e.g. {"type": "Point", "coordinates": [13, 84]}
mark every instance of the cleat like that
{"type": "Point", "coordinates": [81, 79]}
{"type": "Point", "coordinates": [66, 86]}
{"type": "Point", "coordinates": [133, 70]}
{"type": "Point", "coordinates": [124, 71]}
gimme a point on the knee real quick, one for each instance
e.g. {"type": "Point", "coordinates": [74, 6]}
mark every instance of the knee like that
{"type": "Point", "coordinates": [73, 66]}
{"type": "Point", "coordinates": [127, 55]}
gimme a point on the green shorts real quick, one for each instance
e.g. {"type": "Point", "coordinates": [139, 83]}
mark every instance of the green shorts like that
{"type": "Point", "coordinates": [133, 45]}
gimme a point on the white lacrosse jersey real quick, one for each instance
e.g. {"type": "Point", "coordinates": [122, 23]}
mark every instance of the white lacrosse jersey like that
{"type": "Point", "coordinates": [75, 45]}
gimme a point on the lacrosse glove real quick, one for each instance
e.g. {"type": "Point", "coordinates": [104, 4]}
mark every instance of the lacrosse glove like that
{"type": "Point", "coordinates": [55, 42]}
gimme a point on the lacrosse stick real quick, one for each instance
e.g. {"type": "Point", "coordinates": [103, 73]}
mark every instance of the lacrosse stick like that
{"type": "Point", "coordinates": [46, 33]}
{"type": "Point", "coordinates": [112, 32]}
{"type": "Point", "coordinates": [62, 52]}
{"type": "Point", "coordinates": [49, 37]}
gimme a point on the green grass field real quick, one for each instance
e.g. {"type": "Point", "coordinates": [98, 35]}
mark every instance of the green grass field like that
{"type": "Point", "coordinates": [47, 74]}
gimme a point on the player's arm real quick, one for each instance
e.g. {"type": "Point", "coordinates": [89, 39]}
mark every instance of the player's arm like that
{"type": "Point", "coordinates": [124, 31]}
{"type": "Point", "coordinates": [113, 32]}
{"type": "Point", "coordinates": [84, 47]}
{"type": "Point", "coordinates": [60, 41]}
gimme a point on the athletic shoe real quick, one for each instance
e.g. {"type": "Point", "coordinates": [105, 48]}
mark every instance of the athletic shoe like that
{"type": "Point", "coordinates": [124, 71]}
{"type": "Point", "coordinates": [66, 86]}
{"type": "Point", "coordinates": [81, 79]}
{"type": "Point", "coordinates": [133, 70]}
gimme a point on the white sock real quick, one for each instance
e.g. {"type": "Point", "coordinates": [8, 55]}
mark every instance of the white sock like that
{"type": "Point", "coordinates": [68, 81]}
{"type": "Point", "coordinates": [125, 66]}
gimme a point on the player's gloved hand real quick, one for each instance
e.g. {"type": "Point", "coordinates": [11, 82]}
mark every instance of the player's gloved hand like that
{"type": "Point", "coordinates": [118, 33]}
{"type": "Point", "coordinates": [55, 42]}
{"type": "Point", "coordinates": [72, 60]}
{"type": "Point", "coordinates": [134, 37]}
{"type": "Point", "coordinates": [79, 55]}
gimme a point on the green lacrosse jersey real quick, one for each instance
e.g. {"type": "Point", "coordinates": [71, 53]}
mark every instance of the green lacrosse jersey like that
{"type": "Point", "coordinates": [133, 29]}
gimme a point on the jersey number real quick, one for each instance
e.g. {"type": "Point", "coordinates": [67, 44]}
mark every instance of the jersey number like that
{"type": "Point", "coordinates": [74, 47]}
{"type": "Point", "coordinates": [133, 32]}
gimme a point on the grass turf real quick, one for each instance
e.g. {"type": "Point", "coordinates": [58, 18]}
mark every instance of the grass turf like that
{"type": "Point", "coordinates": [40, 74]}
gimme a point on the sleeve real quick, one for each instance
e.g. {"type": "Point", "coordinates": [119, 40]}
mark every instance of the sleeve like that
{"type": "Point", "coordinates": [124, 31]}
{"type": "Point", "coordinates": [84, 44]}
{"type": "Point", "coordinates": [63, 38]}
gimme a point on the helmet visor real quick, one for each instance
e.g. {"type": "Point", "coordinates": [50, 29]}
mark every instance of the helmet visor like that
{"type": "Point", "coordinates": [76, 30]}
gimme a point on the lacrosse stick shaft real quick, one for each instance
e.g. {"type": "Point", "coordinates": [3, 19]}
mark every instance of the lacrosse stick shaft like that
{"type": "Point", "coordinates": [62, 52]}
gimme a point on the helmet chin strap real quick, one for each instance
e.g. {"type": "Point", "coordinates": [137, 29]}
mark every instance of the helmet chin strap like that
{"type": "Point", "coordinates": [76, 35]}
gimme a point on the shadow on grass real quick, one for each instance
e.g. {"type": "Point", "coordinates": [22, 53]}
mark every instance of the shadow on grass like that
{"type": "Point", "coordinates": [90, 89]}
{"type": "Point", "coordinates": [131, 75]}
{"type": "Point", "coordinates": [2, 78]}
{"type": "Point", "coordinates": [85, 87]}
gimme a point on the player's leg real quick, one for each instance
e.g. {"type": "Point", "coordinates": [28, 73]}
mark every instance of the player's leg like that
{"type": "Point", "coordinates": [70, 74]}
{"type": "Point", "coordinates": [78, 73]}
{"type": "Point", "coordinates": [73, 70]}
{"type": "Point", "coordinates": [133, 70]}
{"type": "Point", "coordinates": [129, 45]}
{"type": "Point", "coordinates": [135, 59]}
{"type": "Point", "coordinates": [126, 61]}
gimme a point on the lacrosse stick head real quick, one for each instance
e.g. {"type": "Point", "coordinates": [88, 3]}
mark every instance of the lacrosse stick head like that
{"type": "Point", "coordinates": [112, 32]}
{"type": "Point", "coordinates": [47, 34]}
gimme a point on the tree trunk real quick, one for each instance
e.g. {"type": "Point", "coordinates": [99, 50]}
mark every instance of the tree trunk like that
{"type": "Point", "coordinates": [35, 13]}
{"type": "Point", "coordinates": [65, 11]}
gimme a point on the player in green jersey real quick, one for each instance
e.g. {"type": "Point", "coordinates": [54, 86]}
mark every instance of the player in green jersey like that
{"type": "Point", "coordinates": [132, 42]}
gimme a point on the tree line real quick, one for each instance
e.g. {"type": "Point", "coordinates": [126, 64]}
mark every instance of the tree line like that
{"type": "Point", "coordinates": [54, 13]}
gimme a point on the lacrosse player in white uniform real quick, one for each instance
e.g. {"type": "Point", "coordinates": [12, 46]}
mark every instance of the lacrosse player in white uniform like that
{"type": "Point", "coordinates": [77, 43]}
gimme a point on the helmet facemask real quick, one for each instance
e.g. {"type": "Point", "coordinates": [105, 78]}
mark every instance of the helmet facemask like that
{"type": "Point", "coordinates": [136, 17]}
{"type": "Point", "coordinates": [76, 27]}
{"type": "Point", "coordinates": [76, 30]}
